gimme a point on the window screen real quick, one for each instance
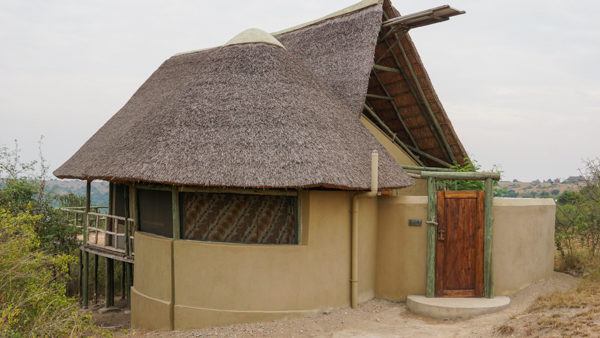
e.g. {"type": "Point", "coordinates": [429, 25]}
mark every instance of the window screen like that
{"type": "Point", "coordinates": [240, 218]}
{"type": "Point", "coordinates": [155, 212]}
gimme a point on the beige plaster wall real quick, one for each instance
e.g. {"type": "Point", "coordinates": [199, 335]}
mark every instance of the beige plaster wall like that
{"type": "Point", "coordinates": [219, 283]}
{"type": "Point", "coordinates": [523, 249]}
{"type": "Point", "coordinates": [417, 189]}
{"type": "Point", "coordinates": [367, 248]}
{"type": "Point", "coordinates": [151, 293]}
{"type": "Point", "coordinates": [523, 245]}
{"type": "Point", "coordinates": [401, 249]}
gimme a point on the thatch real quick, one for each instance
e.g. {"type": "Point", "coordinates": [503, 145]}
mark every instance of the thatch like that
{"type": "Point", "coordinates": [411, 111]}
{"type": "Point", "coordinates": [251, 115]}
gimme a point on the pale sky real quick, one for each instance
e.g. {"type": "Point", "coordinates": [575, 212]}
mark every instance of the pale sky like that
{"type": "Point", "coordinates": [519, 79]}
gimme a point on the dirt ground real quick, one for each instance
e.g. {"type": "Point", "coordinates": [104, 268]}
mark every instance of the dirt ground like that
{"type": "Point", "coordinates": [379, 318]}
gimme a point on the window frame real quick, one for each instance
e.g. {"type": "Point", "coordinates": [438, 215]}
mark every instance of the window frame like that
{"type": "Point", "coordinates": [292, 193]}
{"type": "Point", "coordinates": [139, 187]}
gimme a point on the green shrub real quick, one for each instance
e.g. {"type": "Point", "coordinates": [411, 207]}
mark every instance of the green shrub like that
{"type": "Point", "coordinates": [32, 284]}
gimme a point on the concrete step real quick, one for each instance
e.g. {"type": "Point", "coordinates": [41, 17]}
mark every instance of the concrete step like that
{"type": "Point", "coordinates": [455, 308]}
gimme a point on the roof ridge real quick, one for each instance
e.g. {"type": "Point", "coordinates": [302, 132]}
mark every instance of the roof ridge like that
{"type": "Point", "coordinates": [254, 35]}
{"type": "Point", "coordinates": [350, 9]}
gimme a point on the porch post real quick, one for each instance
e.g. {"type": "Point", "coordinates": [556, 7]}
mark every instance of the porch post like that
{"type": "Point", "coordinates": [86, 255]}
{"type": "Point", "coordinates": [127, 267]}
{"type": "Point", "coordinates": [175, 213]}
{"type": "Point", "coordinates": [431, 232]}
{"type": "Point", "coordinates": [96, 286]}
{"type": "Point", "coordinates": [488, 287]}
{"type": "Point", "coordinates": [109, 280]}
{"type": "Point", "coordinates": [176, 236]}
{"type": "Point", "coordinates": [109, 292]}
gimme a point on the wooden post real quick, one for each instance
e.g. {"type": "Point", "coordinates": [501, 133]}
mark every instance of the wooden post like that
{"type": "Point", "coordinates": [109, 285]}
{"type": "Point", "coordinates": [175, 208]}
{"type": "Point", "coordinates": [86, 255]}
{"type": "Point", "coordinates": [132, 211]}
{"type": "Point", "coordinates": [81, 277]}
{"type": "Point", "coordinates": [431, 235]}
{"type": "Point", "coordinates": [127, 278]}
{"type": "Point", "coordinates": [488, 286]}
{"type": "Point", "coordinates": [85, 279]}
{"type": "Point", "coordinates": [123, 286]}
{"type": "Point", "coordinates": [176, 236]}
{"type": "Point", "coordinates": [96, 261]}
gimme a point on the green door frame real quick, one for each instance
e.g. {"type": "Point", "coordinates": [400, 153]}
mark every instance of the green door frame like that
{"type": "Point", "coordinates": [488, 178]}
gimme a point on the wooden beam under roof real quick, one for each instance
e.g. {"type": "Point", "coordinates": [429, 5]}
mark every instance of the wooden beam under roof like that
{"type": "Point", "coordinates": [386, 68]}
{"type": "Point", "coordinates": [380, 97]}
{"type": "Point", "coordinates": [419, 19]}
{"type": "Point", "coordinates": [420, 103]}
{"type": "Point", "coordinates": [423, 18]}
{"type": "Point", "coordinates": [392, 135]}
{"type": "Point", "coordinates": [397, 111]}
{"type": "Point", "coordinates": [438, 129]}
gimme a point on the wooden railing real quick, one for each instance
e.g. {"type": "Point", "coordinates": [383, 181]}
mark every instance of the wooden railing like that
{"type": "Point", "coordinates": [101, 231]}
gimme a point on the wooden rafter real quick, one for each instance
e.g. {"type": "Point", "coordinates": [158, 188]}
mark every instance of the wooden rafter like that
{"type": "Point", "coordinates": [392, 135]}
{"type": "Point", "coordinates": [417, 92]}
{"type": "Point", "coordinates": [386, 68]}
{"type": "Point", "coordinates": [411, 88]}
{"type": "Point", "coordinates": [419, 19]}
{"type": "Point", "coordinates": [431, 157]}
{"type": "Point", "coordinates": [438, 129]}
{"type": "Point", "coordinates": [379, 97]}
{"type": "Point", "coordinates": [397, 111]}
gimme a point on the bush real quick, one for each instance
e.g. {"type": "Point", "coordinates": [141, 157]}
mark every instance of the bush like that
{"type": "Point", "coordinates": [578, 221]}
{"type": "Point", "coordinates": [33, 298]}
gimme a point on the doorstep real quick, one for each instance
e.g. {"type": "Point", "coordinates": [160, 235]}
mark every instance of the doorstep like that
{"type": "Point", "coordinates": [455, 308]}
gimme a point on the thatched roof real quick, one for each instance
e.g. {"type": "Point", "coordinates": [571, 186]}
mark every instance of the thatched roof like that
{"type": "Point", "coordinates": [262, 111]}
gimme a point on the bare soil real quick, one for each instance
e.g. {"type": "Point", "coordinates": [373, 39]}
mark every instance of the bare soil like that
{"type": "Point", "coordinates": [380, 318]}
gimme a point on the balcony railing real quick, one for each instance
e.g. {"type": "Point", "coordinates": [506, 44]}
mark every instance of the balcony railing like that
{"type": "Point", "coordinates": [102, 232]}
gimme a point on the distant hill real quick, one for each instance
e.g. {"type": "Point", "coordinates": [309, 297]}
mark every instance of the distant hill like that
{"type": "Point", "coordinates": [99, 190]}
{"type": "Point", "coordinates": [539, 188]}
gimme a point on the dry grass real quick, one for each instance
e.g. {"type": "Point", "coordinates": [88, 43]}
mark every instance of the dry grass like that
{"type": "Point", "coordinates": [573, 313]}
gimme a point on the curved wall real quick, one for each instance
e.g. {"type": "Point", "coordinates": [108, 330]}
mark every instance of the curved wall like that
{"type": "Point", "coordinates": [151, 293]}
{"type": "Point", "coordinates": [224, 283]}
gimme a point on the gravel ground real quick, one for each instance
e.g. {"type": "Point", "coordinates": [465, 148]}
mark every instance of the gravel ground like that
{"type": "Point", "coordinates": [380, 318]}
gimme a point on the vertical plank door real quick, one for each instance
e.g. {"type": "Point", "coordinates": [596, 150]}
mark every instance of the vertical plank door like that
{"type": "Point", "coordinates": [459, 244]}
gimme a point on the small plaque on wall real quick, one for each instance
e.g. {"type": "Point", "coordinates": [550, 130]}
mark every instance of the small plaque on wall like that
{"type": "Point", "coordinates": [414, 222]}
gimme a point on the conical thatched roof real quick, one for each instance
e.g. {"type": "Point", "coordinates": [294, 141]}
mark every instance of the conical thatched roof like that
{"type": "Point", "coordinates": [262, 111]}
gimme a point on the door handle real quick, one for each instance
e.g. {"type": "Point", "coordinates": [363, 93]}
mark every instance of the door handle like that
{"type": "Point", "coordinates": [441, 232]}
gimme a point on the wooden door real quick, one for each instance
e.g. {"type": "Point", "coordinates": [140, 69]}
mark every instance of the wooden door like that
{"type": "Point", "coordinates": [459, 244]}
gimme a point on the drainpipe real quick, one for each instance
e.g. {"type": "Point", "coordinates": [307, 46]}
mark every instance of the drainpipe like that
{"type": "Point", "coordinates": [354, 254]}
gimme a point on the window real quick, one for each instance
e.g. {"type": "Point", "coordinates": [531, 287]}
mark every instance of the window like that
{"type": "Point", "coordinates": [155, 212]}
{"type": "Point", "coordinates": [240, 218]}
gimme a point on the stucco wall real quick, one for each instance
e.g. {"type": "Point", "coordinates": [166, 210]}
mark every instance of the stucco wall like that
{"type": "Point", "coordinates": [523, 250]}
{"type": "Point", "coordinates": [218, 284]}
{"type": "Point", "coordinates": [223, 283]}
{"type": "Point", "coordinates": [151, 294]}
{"type": "Point", "coordinates": [523, 245]}
{"type": "Point", "coordinates": [401, 250]}
{"type": "Point", "coordinates": [367, 248]}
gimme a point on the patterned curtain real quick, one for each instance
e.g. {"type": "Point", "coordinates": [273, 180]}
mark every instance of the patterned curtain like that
{"type": "Point", "coordinates": [240, 218]}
